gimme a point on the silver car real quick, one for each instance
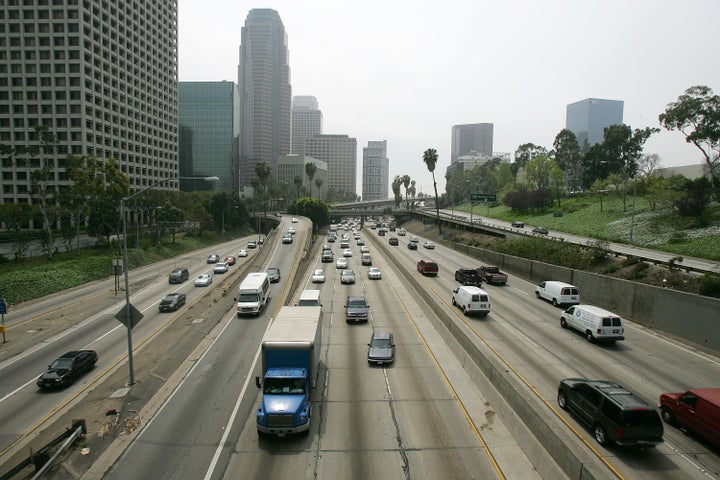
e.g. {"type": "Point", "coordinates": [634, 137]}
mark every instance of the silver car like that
{"type": "Point", "coordinates": [203, 280]}
{"type": "Point", "coordinates": [318, 276]}
{"type": "Point", "coordinates": [381, 348]}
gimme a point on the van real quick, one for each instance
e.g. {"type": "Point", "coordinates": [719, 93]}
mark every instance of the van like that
{"type": "Point", "coordinates": [471, 299]}
{"type": "Point", "coordinates": [596, 323]}
{"type": "Point", "coordinates": [179, 275]}
{"type": "Point", "coordinates": [309, 298]}
{"type": "Point", "coordinates": [697, 410]}
{"type": "Point", "coordinates": [558, 293]}
{"type": "Point", "coordinates": [253, 294]}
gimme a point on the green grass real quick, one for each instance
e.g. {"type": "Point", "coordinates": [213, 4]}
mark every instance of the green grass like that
{"type": "Point", "coordinates": [36, 277]}
{"type": "Point", "coordinates": [660, 230]}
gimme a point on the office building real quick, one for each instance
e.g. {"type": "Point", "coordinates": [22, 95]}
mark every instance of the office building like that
{"type": "Point", "coordinates": [474, 137]}
{"type": "Point", "coordinates": [588, 118]}
{"type": "Point", "coordinates": [306, 122]}
{"type": "Point", "coordinates": [101, 76]}
{"type": "Point", "coordinates": [265, 93]}
{"type": "Point", "coordinates": [340, 154]}
{"type": "Point", "coordinates": [291, 166]}
{"type": "Point", "coordinates": [209, 135]}
{"type": "Point", "coordinates": [375, 171]}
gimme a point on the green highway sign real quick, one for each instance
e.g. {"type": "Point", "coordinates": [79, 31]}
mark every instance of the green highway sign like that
{"type": "Point", "coordinates": [482, 197]}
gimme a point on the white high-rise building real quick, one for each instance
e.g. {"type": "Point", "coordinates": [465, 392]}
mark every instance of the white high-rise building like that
{"type": "Point", "coordinates": [340, 153]}
{"type": "Point", "coordinates": [375, 171]}
{"type": "Point", "coordinates": [306, 122]}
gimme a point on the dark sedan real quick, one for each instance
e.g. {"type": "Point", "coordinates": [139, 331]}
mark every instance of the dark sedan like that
{"type": "Point", "coordinates": [172, 302]}
{"type": "Point", "coordinates": [63, 371]}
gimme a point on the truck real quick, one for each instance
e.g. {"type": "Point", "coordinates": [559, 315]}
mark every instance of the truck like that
{"type": "Point", "coordinates": [468, 276]}
{"type": "Point", "coordinates": [253, 294]}
{"type": "Point", "coordinates": [290, 352]}
{"type": "Point", "coordinates": [492, 275]}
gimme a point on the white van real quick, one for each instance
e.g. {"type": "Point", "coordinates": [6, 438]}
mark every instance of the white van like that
{"type": "Point", "coordinates": [597, 324]}
{"type": "Point", "coordinates": [309, 298]}
{"type": "Point", "coordinates": [558, 293]}
{"type": "Point", "coordinates": [253, 294]}
{"type": "Point", "coordinates": [471, 299]}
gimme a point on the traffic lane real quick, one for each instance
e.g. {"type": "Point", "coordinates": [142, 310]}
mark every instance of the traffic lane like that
{"type": "Point", "coordinates": [595, 360]}
{"type": "Point", "coordinates": [199, 419]}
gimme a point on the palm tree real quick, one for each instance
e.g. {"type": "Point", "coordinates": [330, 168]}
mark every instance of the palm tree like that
{"type": "Point", "coordinates": [263, 172]}
{"type": "Point", "coordinates": [310, 169]}
{"type": "Point", "coordinates": [297, 181]}
{"type": "Point", "coordinates": [406, 183]}
{"type": "Point", "coordinates": [318, 184]}
{"type": "Point", "coordinates": [430, 157]}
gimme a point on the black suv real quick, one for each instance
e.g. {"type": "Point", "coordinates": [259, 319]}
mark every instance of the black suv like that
{"type": "Point", "coordinates": [468, 276]}
{"type": "Point", "coordinates": [614, 414]}
{"type": "Point", "coordinates": [63, 371]}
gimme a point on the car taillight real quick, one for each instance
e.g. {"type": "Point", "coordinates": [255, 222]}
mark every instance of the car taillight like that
{"type": "Point", "coordinates": [469, 305]}
{"type": "Point", "coordinates": [619, 432]}
{"type": "Point", "coordinates": [599, 330]}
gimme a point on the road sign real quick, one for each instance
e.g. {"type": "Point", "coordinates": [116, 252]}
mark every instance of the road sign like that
{"type": "Point", "coordinates": [482, 197]}
{"type": "Point", "coordinates": [3, 306]}
{"type": "Point", "coordinates": [135, 315]}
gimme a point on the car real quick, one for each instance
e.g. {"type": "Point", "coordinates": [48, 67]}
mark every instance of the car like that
{"type": "Point", "coordinates": [347, 253]}
{"type": "Point", "coordinates": [401, 232]}
{"type": "Point", "coordinates": [356, 235]}
{"type": "Point", "coordinates": [67, 368]}
{"type": "Point", "coordinates": [412, 245]}
{"type": "Point", "coordinates": [360, 241]}
{"type": "Point", "coordinates": [393, 241]}
{"type": "Point", "coordinates": [172, 302]}
{"type": "Point", "coordinates": [331, 238]}
{"type": "Point", "coordinates": [540, 230]}
{"type": "Point", "coordinates": [291, 231]}
{"type": "Point", "coordinates": [203, 280]}
{"type": "Point", "coordinates": [214, 258]}
{"type": "Point", "coordinates": [414, 239]}
{"type": "Point", "coordinates": [260, 241]}
{"type": "Point", "coordinates": [381, 232]}
{"type": "Point", "coordinates": [294, 220]}
{"type": "Point", "coordinates": [242, 253]}
{"type": "Point", "coordinates": [364, 249]}
{"type": "Point", "coordinates": [615, 415]}
{"type": "Point", "coordinates": [356, 309]}
{"type": "Point", "coordinates": [326, 246]}
{"type": "Point", "coordinates": [287, 238]}
{"type": "Point", "coordinates": [327, 256]}
{"type": "Point", "coordinates": [344, 244]}
{"type": "Point", "coordinates": [179, 275]}
{"type": "Point", "coordinates": [318, 276]}
{"type": "Point", "coordinates": [273, 274]}
{"type": "Point", "coordinates": [221, 267]}
{"type": "Point", "coordinates": [381, 348]}
{"type": "Point", "coordinates": [341, 263]}
{"type": "Point", "coordinates": [347, 277]}
{"type": "Point", "coordinates": [517, 224]}
{"type": "Point", "coordinates": [374, 273]}
{"type": "Point", "coordinates": [429, 245]}
{"type": "Point", "coordinates": [252, 244]}
{"type": "Point", "coordinates": [230, 260]}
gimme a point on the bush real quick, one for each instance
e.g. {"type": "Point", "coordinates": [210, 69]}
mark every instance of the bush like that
{"type": "Point", "coordinates": [709, 285]}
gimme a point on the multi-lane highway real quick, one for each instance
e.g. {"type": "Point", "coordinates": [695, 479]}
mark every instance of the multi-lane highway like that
{"type": "Point", "coordinates": [430, 415]}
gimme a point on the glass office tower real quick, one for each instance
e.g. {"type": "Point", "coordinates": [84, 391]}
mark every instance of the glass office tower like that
{"type": "Point", "coordinates": [588, 118]}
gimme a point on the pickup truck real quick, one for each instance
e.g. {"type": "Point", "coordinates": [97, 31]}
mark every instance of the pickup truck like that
{"type": "Point", "coordinates": [492, 275]}
{"type": "Point", "coordinates": [468, 276]}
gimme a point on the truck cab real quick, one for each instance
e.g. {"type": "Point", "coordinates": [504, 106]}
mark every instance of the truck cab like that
{"type": "Point", "coordinates": [285, 406]}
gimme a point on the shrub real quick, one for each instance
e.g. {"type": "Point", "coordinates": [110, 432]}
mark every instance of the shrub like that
{"type": "Point", "coordinates": [709, 285]}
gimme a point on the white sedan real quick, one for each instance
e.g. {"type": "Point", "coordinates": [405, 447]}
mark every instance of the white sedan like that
{"type": "Point", "coordinates": [364, 249]}
{"type": "Point", "coordinates": [341, 263]}
{"type": "Point", "coordinates": [243, 253]}
{"type": "Point", "coordinates": [374, 273]}
{"type": "Point", "coordinates": [203, 280]}
{"type": "Point", "coordinates": [318, 276]}
{"type": "Point", "coordinates": [347, 253]}
{"type": "Point", "coordinates": [429, 245]}
{"type": "Point", "coordinates": [221, 267]}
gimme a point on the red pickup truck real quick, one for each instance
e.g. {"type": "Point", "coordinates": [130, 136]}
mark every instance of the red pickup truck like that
{"type": "Point", "coordinates": [427, 267]}
{"type": "Point", "coordinates": [492, 275]}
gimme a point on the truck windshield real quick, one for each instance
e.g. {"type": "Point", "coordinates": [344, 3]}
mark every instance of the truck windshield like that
{"type": "Point", "coordinates": [248, 297]}
{"type": "Point", "coordinates": [284, 386]}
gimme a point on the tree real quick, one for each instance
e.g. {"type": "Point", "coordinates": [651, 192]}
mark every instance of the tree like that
{"type": "Point", "coordinates": [15, 215]}
{"type": "Point", "coordinates": [406, 184]}
{"type": "Point", "coordinates": [430, 157]}
{"type": "Point", "coordinates": [648, 164]}
{"type": "Point", "coordinates": [568, 157]}
{"type": "Point", "coordinates": [395, 186]}
{"type": "Point", "coordinates": [557, 181]}
{"type": "Point", "coordinates": [527, 152]}
{"type": "Point", "coordinates": [696, 114]}
{"type": "Point", "coordinates": [298, 182]}
{"type": "Point", "coordinates": [263, 172]}
{"type": "Point", "coordinates": [310, 169]}
{"type": "Point", "coordinates": [318, 184]}
{"type": "Point", "coordinates": [537, 172]}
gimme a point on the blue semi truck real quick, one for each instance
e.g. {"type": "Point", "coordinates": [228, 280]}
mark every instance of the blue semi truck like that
{"type": "Point", "coordinates": [290, 359]}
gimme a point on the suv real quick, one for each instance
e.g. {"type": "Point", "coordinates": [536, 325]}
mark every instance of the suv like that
{"type": "Point", "coordinates": [327, 256]}
{"type": "Point", "coordinates": [614, 414]}
{"type": "Point", "coordinates": [179, 275]}
{"type": "Point", "coordinates": [356, 310]}
{"type": "Point", "coordinates": [427, 267]}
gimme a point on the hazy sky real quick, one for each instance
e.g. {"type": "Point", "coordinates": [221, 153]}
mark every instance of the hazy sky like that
{"type": "Point", "coordinates": [407, 71]}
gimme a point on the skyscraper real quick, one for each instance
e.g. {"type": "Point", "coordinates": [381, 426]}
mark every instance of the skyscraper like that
{"type": "Point", "coordinates": [588, 118]}
{"type": "Point", "coordinates": [375, 171]}
{"type": "Point", "coordinates": [471, 138]}
{"type": "Point", "coordinates": [209, 131]}
{"type": "Point", "coordinates": [101, 76]}
{"type": "Point", "coordinates": [265, 92]}
{"type": "Point", "coordinates": [306, 121]}
{"type": "Point", "coordinates": [340, 153]}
